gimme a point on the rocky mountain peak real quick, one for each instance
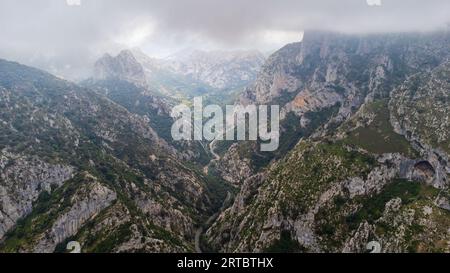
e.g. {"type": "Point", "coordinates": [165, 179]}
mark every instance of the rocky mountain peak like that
{"type": "Point", "coordinates": [124, 66]}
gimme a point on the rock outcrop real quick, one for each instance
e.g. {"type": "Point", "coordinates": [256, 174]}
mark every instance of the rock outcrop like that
{"type": "Point", "coordinates": [124, 67]}
{"type": "Point", "coordinates": [22, 180]}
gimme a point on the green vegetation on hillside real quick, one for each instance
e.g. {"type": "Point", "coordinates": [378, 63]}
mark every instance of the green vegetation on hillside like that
{"type": "Point", "coordinates": [46, 209]}
{"type": "Point", "coordinates": [319, 165]}
{"type": "Point", "coordinates": [291, 132]}
{"type": "Point", "coordinates": [379, 137]}
{"type": "Point", "coordinates": [335, 221]}
{"type": "Point", "coordinates": [373, 208]}
{"type": "Point", "coordinates": [284, 245]}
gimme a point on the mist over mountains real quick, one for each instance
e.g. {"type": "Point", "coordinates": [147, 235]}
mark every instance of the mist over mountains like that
{"type": "Point", "coordinates": [86, 147]}
{"type": "Point", "coordinates": [67, 40]}
{"type": "Point", "coordinates": [215, 70]}
{"type": "Point", "coordinates": [363, 152]}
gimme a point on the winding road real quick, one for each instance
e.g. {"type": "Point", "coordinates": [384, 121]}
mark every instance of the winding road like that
{"type": "Point", "coordinates": [216, 157]}
{"type": "Point", "coordinates": [208, 223]}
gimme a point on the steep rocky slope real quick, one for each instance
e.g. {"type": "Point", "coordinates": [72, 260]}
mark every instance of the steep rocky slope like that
{"type": "Point", "coordinates": [325, 79]}
{"type": "Point", "coordinates": [420, 108]}
{"type": "Point", "coordinates": [75, 165]}
{"type": "Point", "coordinates": [376, 169]}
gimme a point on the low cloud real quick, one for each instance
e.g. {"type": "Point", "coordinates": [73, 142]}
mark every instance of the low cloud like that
{"type": "Point", "coordinates": [66, 36]}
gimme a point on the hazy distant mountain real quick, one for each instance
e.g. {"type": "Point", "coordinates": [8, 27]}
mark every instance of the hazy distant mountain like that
{"type": "Point", "coordinates": [122, 67]}
{"type": "Point", "coordinates": [218, 69]}
{"type": "Point", "coordinates": [151, 87]}
{"type": "Point", "coordinates": [187, 73]}
{"type": "Point", "coordinates": [141, 85]}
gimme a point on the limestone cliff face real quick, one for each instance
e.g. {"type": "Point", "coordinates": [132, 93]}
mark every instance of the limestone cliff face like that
{"type": "Point", "coordinates": [338, 206]}
{"type": "Point", "coordinates": [420, 112]}
{"type": "Point", "coordinates": [375, 170]}
{"type": "Point", "coordinates": [324, 80]}
{"type": "Point", "coordinates": [234, 167]}
{"type": "Point", "coordinates": [89, 200]}
{"type": "Point", "coordinates": [328, 67]}
{"type": "Point", "coordinates": [22, 179]}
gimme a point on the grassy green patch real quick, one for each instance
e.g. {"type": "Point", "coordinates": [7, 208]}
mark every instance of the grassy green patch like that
{"type": "Point", "coordinates": [284, 245]}
{"type": "Point", "coordinates": [107, 245]}
{"type": "Point", "coordinates": [379, 137]}
{"type": "Point", "coordinates": [373, 208]}
{"type": "Point", "coordinates": [306, 177]}
{"type": "Point", "coordinates": [46, 210]}
{"type": "Point", "coordinates": [290, 135]}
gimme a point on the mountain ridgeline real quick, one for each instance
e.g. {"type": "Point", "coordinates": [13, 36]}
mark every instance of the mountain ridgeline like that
{"type": "Point", "coordinates": [364, 151]}
{"type": "Point", "coordinates": [216, 75]}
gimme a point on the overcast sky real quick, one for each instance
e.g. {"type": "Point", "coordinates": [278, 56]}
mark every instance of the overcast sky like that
{"type": "Point", "coordinates": [66, 39]}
